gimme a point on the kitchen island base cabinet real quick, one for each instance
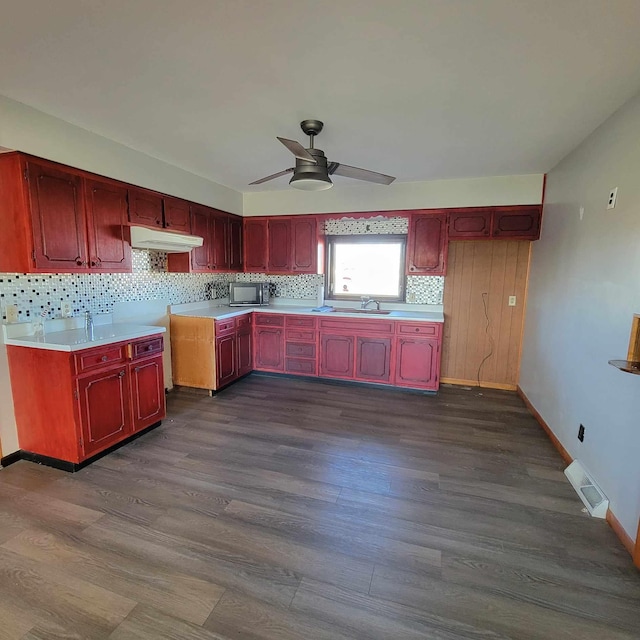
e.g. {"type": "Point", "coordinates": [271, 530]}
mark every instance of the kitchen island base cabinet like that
{"type": "Point", "coordinates": [70, 406]}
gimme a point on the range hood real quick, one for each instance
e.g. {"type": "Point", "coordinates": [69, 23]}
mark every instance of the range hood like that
{"type": "Point", "coordinates": [145, 238]}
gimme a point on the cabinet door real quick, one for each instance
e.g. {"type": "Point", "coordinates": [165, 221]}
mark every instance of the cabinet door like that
{"type": "Point", "coordinates": [58, 217]}
{"type": "Point", "coordinates": [145, 208]}
{"type": "Point", "coordinates": [226, 360]}
{"type": "Point", "coordinates": [417, 363]}
{"type": "Point", "coordinates": [176, 215]}
{"type": "Point", "coordinates": [147, 387]}
{"type": "Point", "coordinates": [105, 409]}
{"type": "Point", "coordinates": [269, 348]}
{"type": "Point", "coordinates": [244, 351]}
{"type": "Point", "coordinates": [522, 222]}
{"type": "Point", "coordinates": [336, 356]}
{"type": "Point", "coordinates": [373, 359]}
{"type": "Point", "coordinates": [109, 243]}
{"type": "Point", "coordinates": [255, 245]}
{"type": "Point", "coordinates": [427, 244]}
{"type": "Point", "coordinates": [474, 224]}
{"type": "Point", "coordinates": [235, 243]}
{"type": "Point", "coordinates": [304, 245]}
{"type": "Point", "coordinates": [219, 241]}
{"type": "Point", "coordinates": [279, 245]}
{"type": "Point", "coordinates": [200, 256]}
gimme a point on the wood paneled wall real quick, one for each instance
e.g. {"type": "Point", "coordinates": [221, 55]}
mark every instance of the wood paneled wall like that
{"type": "Point", "coordinates": [490, 271]}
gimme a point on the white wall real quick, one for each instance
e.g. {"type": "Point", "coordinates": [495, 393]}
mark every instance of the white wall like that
{"type": "Point", "coordinates": [584, 289]}
{"type": "Point", "coordinates": [473, 192]}
{"type": "Point", "coordinates": [26, 129]}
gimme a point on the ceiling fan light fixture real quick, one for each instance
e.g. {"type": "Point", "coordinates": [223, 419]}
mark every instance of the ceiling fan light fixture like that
{"type": "Point", "coordinates": [306, 183]}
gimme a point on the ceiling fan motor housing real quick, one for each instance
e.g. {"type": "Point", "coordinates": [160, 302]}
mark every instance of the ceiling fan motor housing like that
{"type": "Point", "coordinates": [310, 176]}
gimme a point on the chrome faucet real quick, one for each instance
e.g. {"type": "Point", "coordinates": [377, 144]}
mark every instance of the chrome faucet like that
{"type": "Point", "coordinates": [88, 324]}
{"type": "Point", "coordinates": [366, 301]}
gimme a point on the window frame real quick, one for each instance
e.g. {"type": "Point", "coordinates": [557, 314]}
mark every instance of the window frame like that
{"type": "Point", "coordinates": [365, 238]}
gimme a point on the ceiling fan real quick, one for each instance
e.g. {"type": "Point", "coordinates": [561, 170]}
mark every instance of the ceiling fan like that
{"type": "Point", "coordinates": [312, 169]}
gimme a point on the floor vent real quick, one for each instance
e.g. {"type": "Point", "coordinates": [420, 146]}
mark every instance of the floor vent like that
{"type": "Point", "coordinates": [589, 492]}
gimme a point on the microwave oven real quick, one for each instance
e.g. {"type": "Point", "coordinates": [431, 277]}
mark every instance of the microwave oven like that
{"type": "Point", "coordinates": [243, 294]}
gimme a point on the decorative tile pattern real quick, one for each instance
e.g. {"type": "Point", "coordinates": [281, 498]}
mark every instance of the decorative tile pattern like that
{"type": "Point", "coordinates": [33, 294]}
{"type": "Point", "coordinates": [302, 287]}
{"type": "Point", "coordinates": [378, 225]}
{"type": "Point", "coordinates": [425, 289]}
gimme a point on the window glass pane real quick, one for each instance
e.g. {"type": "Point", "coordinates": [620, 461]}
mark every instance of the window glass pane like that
{"type": "Point", "coordinates": [367, 268]}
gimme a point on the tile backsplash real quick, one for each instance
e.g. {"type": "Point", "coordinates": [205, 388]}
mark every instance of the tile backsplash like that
{"type": "Point", "coordinates": [37, 293]}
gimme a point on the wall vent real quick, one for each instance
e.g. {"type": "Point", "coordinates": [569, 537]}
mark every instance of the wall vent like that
{"type": "Point", "coordinates": [590, 493]}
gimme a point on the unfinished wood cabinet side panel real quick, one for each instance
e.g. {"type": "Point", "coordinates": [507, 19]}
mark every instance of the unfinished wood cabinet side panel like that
{"type": "Point", "coordinates": [498, 270]}
{"type": "Point", "coordinates": [193, 352]}
{"type": "Point", "coordinates": [42, 383]}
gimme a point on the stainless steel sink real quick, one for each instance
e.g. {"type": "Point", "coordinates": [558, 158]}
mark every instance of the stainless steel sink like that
{"type": "Point", "coordinates": [375, 312]}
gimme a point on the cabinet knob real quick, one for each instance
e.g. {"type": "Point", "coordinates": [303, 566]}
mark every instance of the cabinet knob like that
{"type": "Point", "coordinates": [121, 374]}
{"type": "Point", "coordinates": [79, 263]}
{"type": "Point", "coordinates": [167, 224]}
{"type": "Point", "coordinates": [137, 370]}
{"type": "Point", "coordinates": [149, 347]}
{"type": "Point", "coordinates": [412, 268]}
{"type": "Point", "coordinates": [417, 329]}
{"type": "Point", "coordinates": [104, 358]}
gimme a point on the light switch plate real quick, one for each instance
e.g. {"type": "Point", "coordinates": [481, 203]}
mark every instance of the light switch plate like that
{"type": "Point", "coordinates": [512, 301]}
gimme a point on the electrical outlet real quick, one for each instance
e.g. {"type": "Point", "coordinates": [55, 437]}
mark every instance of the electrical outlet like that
{"type": "Point", "coordinates": [581, 433]}
{"type": "Point", "coordinates": [581, 213]}
{"type": "Point", "coordinates": [411, 297]}
{"type": "Point", "coordinates": [512, 301]}
{"type": "Point", "coordinates": [613, 196]}
{"type": "Point", "coordinates": [11, 311]}
{"type": "Point", "coordinates": [65, 309]}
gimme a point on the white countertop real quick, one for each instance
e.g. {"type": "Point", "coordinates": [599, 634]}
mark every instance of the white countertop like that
{"type": "Point", "coordinates": [77, 339]}
{"type": "Point", "coordinates": [223, 312]}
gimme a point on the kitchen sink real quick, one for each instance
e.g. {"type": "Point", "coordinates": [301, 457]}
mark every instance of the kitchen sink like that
{"type": "Point", "coordinates": [377, 312]}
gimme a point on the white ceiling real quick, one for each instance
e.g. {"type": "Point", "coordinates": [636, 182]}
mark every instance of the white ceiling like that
{"type": "Point", "coordinates": [420, 89]}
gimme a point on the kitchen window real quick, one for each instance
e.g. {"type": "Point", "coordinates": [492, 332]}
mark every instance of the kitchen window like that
{"type": "Point", "coordinates": [366, 265]}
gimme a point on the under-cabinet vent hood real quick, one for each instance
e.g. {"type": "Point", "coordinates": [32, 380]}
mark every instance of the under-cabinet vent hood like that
{"type": "Point", "coordinates": [145, 238]}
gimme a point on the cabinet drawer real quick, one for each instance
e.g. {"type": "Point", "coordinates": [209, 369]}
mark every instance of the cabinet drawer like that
{"type": "Point", "coordinates": [298, 365]}
{"type": "Point", "coordinates": [301, 349]}
{"type": "Point", "coordinates": [223, 327]}
{"type": "Point", "coordinates": [301, 334]}
{"type": "Point", "coordinates": [269, 320]}
{"type": "Point", "coordinates": [359, 325]}
{"type": "Point", "coordinates": [243, 321]}
{"type": "Point", "coordinates": [418, 329]}
{"type": "Point", "coordinates": [300, 321]}
{"type": "Point", "coordinates": [144, 348]}
{"type": "Point", "coordinates": [90, 359]}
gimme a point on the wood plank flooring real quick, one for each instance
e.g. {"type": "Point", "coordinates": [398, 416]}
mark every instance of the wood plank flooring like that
{"type": "Point", "coordinates": [293, 509]}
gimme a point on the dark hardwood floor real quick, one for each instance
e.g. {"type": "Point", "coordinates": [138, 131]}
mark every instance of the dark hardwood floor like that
{"type": "Point", "coordinates": [291, 509]}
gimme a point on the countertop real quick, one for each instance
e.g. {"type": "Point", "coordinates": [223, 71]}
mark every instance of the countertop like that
{"type": "Point", "coordinates": [223, 312]}
{"type": "Point", "coordinates": [77, 339]}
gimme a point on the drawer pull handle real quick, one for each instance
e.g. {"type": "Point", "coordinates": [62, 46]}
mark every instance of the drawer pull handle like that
{"type": "Point", "coordinates": [104, 358]}
{"type": "Point", "coordinates": [417, 329]}
{"type": "Point", "coordinates": [150, 347]}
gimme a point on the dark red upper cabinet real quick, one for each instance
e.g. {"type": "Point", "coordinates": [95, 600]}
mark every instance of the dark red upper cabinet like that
{"type": "Point", "coordinates": [201, 226]}
{"type": "Point", "coordinates": [279, 245]}
{"type": "Point", "coordinates": [304, 245]}
{"type": "Point", "coordinates": [176, 215]}
{"type": "Point", "coordinates": [57, 214]}
{"type": "Point", "coordinates": [235, 243]}
{"type": "Point", "coordinates": [520, 223]}
{"type": "Point", "coordinates": [108, 232]}
{"type": "Point", "coordinates": [219, 226]}
{"type": "Point", "coordinates": [145, 208]}
{"type": "Point", "coordinates": [473, 224]}
{"type": "Point", "coordinates": [255, 245]}
{"type": "Point", "coordinates": [427, 244]}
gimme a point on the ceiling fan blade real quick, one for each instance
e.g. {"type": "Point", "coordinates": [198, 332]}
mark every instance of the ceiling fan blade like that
{"type": "Point", "coordinates": [271, 177]}
{"type": "Point", "coordinates": [359, 174]}
{"type": "Point", "coordinates": [297, 149]}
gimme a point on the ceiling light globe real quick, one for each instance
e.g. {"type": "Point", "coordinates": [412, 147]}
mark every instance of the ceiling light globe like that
{"type": "Point", "coordinates": [311, 184]}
